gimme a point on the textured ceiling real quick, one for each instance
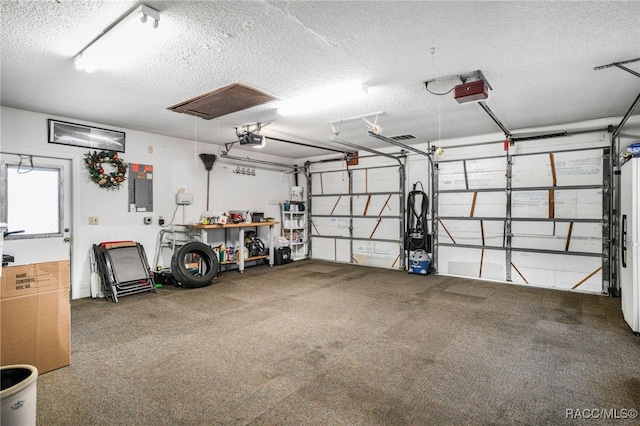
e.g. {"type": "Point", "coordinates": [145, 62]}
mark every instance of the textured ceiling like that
{"type": "Point", "coordinates": [539, 57]}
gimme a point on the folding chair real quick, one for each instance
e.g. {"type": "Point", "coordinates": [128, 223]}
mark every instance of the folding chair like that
{"type": "Point", "coordinates": [123, 268]}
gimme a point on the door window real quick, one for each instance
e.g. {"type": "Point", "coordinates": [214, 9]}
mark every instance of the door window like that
{"type": "Point", "coordinates": [32, 200]}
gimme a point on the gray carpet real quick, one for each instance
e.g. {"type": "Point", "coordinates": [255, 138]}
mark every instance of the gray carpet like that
{"type": "Point", "coordinates": [319, 343]}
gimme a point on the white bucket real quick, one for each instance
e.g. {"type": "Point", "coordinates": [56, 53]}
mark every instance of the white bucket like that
{"type": "Point", "coordinates": [297, 193]}
{"type": "Point", "coordinates": [19, 394]}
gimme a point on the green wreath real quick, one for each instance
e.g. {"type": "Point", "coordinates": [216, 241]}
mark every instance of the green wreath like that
{"type": "Point", "coordinates": [94, 163]}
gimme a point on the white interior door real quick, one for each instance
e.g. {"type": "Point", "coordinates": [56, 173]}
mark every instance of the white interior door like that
{"type": "Point", "coordinates": [36, 199]}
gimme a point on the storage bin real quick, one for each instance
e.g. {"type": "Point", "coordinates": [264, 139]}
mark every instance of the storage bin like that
{"type": "Point", "coordinates": [282, 255]}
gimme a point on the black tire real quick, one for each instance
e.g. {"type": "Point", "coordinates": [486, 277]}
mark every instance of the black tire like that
{"type": "Point", "coordinates": [190, 252]}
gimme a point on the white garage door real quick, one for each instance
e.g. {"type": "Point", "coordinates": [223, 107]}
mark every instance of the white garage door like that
{"type": "Point", "coordinates": [356, 212]}
{"type": "Point", "coordinates": [532, 218]}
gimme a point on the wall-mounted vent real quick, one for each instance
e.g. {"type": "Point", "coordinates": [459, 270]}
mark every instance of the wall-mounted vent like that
{"type": "Point", "coordinates": [222, 101]}
{"type": "Point", "coordinates": [403, 137]}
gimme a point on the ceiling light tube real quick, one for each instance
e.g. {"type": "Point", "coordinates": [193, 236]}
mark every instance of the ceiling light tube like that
{"type": "Point", "coordinates": [323, 98]}
{"type": "Point", "coordinates": [118, 43]}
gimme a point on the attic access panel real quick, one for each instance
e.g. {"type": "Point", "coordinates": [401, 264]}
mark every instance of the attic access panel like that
{"type": "Point", "coordinates": [224, 100]}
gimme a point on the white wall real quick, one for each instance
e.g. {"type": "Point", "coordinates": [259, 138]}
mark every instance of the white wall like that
{"type": "Point", "coordinates": [175, 164]}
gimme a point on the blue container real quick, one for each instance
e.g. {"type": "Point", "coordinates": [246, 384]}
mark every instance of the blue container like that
{"type": "Point", "coordinates": [419, 262]}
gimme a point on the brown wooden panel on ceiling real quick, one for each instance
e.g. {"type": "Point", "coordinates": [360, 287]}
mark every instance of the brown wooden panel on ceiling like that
{"type": "Point", "coordinates": [222, 101]}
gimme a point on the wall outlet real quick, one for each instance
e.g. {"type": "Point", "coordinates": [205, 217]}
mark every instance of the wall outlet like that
{"type": "Point", "coordinates": [93, 220]}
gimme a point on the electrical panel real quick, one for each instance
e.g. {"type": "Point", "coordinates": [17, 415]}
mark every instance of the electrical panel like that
{"type": "Point", "coordinates": [140, 187]}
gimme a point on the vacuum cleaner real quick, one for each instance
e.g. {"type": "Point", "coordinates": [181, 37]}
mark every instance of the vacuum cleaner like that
{"type": "Point", "coordinates": [417, 239]}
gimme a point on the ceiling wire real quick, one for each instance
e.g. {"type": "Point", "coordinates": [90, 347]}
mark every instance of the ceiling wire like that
{"type": "Point", "coordinates": [195, 140]}
{"type": "Point", "coordinates": [435, 69]}
{"type": "Point", "coordinates": [439, 121]}
{"type": "Point", "coordinates": [426, 86]}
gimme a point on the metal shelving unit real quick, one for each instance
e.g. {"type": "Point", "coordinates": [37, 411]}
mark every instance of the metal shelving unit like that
{"type": "Point", "coordinates": [294, 228]}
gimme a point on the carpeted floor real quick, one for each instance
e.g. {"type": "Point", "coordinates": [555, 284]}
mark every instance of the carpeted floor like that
{"type": "Point", "coordinates": [319, 343]}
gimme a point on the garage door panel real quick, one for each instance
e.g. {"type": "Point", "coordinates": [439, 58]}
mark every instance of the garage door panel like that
{"type": "Point", "coordinates": [579, 168]}
{"type": "Point", "coordinates": [489, 173]}
{"type": "Point", "coordinates": [480, 174]}
{"type": "Point", "coordinates": [472, 262]}
{"type": "Point", "coordinates": [584, 237]}
{"type": "Point", "coordinates": [582, 204]}
{"type": "Point", "coordinates": [454, 204]}
{"type": "Point", "coordinates": [331, 249]}
{"type": "Point", "coordinates": [566, 204]}
{"type": "Point", "coordinates": [472, 232]}
{"type": "Point", "coordinates": [486, 204]}
{"type": "Point", "coordinates": [376, 205]}
{"type": "Point", "coordinates": [560, 272]}
{"type": "Point", "coordinates": [375, 180]}
{"type": "Point", "coordinates": [376, 228]}
{"type": "Point", "coordinates": [376, 253]}
{"type": "Point", "coordinates": [567, 168]}
{"type": "Point", "coordinates": [337, 205]}
{"type": "Point", "coordinates": [330, 183]}
{"type": "Point", "coordinates": [330, 226]}
{"type": "Point", "coordinates": [489, 204]}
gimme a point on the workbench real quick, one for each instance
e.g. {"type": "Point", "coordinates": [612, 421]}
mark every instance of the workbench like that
{"type": "Point", "coordinates": [241, 227]}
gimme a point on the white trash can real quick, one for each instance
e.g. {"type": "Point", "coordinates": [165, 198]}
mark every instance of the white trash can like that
{"type": "Point", "coordinates": [19, 394]}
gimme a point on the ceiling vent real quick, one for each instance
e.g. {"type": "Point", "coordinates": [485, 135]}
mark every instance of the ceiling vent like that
{"type": "Point", "coordinates": [222, 101]}
{"type": "Point", "coordinates": [403, 137]}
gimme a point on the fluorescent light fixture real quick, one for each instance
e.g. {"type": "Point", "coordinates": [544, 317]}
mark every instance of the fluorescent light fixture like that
{"type": "Point", "coordinates": [323, 98]}
{"type": "Point", "coordinates": [121, 42]}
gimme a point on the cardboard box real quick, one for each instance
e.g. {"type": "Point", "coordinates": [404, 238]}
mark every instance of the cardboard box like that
{"type": "Point", "coordinates": [35, 278]}
{"type": "Point", "coordinates": [35, 316]}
